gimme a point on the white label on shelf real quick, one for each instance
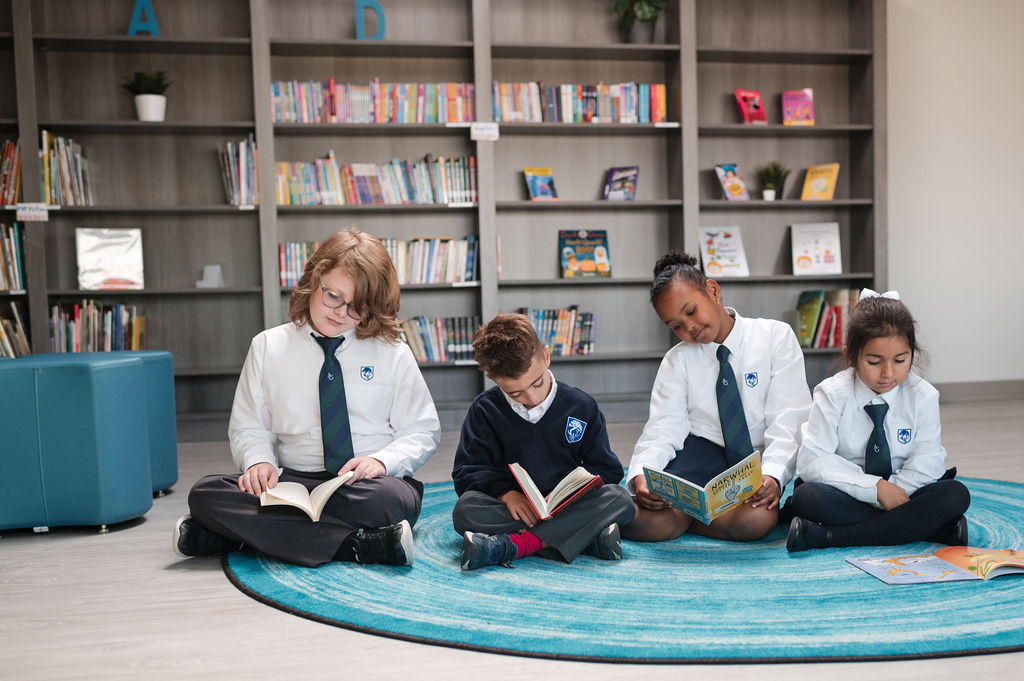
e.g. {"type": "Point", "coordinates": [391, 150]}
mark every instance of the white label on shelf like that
{"type": "Point", "coordinates": [247, 206]}
{"type": "Point", "coordinates": [32, 212]}
{"type": "Point", "coordinates": [484, 132]}
{"type": "Point", "coordinates": [459, 124]}
{"type": "Point", "coordinates": [464, 284]}
{"type": "Point", "coordinates": [463, 204]}
{"type": "Point", "coordinates": [465, 362]}
{"type": "Point", "coordinates": [667, 124]}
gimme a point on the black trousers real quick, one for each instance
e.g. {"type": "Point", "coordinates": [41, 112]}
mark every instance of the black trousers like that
{"type": "Point", "coordinates": [853, 523]}
{"type": "Point", "coordinates": [568, 533]}
{"type": "Point", "coordinates": [288, 533]}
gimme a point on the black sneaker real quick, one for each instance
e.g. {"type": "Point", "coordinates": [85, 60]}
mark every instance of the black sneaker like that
{"type": "Point", "coordinates": [607, 545]}
{"type": "Point", "coordinates": [805, 534]}
{"type": "Point", "coordinates": [390, 545]}
{"type": "Point", "coordinates": [192, 539]}
{"type": "Point", "coordinates": [480, 550]}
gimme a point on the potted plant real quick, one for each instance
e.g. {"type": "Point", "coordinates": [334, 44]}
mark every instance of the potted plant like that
{"type": "Point", "coordinates": [637, 17]}
{"type": "Point", "coordinates": [773, 180]}
{"type": "Point", "coordinates": [148, 89]}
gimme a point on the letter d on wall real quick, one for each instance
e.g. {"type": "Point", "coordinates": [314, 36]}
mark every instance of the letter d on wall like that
{"type": "Point", "coordinates": [361, 7]}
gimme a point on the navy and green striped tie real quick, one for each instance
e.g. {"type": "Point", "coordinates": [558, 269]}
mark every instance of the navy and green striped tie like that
{"type": "Point", "coordinates": [876, 456]}
{"type": "Point", "coordinates": [730, 411]}
{"type": "Point", "coordinates": [333, 408]}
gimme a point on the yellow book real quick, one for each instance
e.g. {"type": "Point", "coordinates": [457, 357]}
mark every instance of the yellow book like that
{"type": "Point", "coordinates": [820, 182]}
{"type": "Point", "coordinates": [722, 493]}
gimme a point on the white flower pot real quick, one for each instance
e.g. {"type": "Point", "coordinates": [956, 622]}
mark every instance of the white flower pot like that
{"type": "Point", "coordinates": [768, 194]}
{"type": "Point", "coordinates": [150, 107]}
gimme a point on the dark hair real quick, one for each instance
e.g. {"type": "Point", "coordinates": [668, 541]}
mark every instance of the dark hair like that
{"type": "Point", "coordinates": [506, 346]}
{"type": "Point", "coordinates": [676, 266]}
{"type": "Point", "coordinates": [377, 295]}
{"type": "Point", "coordinates": [879, 318]}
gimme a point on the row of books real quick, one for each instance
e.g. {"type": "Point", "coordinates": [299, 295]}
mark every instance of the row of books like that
{"type": "Point", "coordinates": [10, 173]}
{"type": "Point", "coordinates": [89, 326]}
{"type": "Point", "coordinates": [564, 331]}
{"type": "Point", "coordinates": [12, 257]}
{"type": "Point", "coordinates": [65, 172]}
{"type": "Point", "coordinates": [822, 317]}
{"type": "Point", "coordinates": [13, 339]}
{"type": "Point", "coordinates": [440, 260]}
{"type": "Point", "coordinates": [325, 182]}
{"type": "Point", "coordinates": [815, 247]}
{"type": "Point", "coordinates": [535, 102]}
{"type": "Point", "coordinates": [293, 256]}
{"type": "Point", "coordinates": [797, 106]}
{"type": "Point", "coordinates": [441, 339]}
{"type": "Point", "coordinates": [295, 101]}
{"type": "Point", "coordinates": [239, 171]}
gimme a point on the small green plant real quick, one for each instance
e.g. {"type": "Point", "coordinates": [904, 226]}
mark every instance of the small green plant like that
{"type": "Point", "coordinates": [632, 11]}
{"type": "Point", "coordinates": [773, 176]}
{"type": "Point", "coordinates": [147, 83]}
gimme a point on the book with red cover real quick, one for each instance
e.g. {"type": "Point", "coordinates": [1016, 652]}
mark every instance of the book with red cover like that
{"type": "Point", "coordinates": [751, 106]}
{"type": "Point", "coordinates": [569, 489]}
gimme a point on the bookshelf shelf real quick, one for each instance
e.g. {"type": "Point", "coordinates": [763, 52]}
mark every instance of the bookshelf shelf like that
{"type": "Point", "coordinates": [144, 127]}
{"type": "Point", "coordinates": [409, 49]}
{"type": "Point", "coordinates": [379, 208]}
{"type": "Point", "coordinates": [590, 281]}
{"type": "Point", "coordinates": [784, 204]}
{"type": "Point", "coordinates": [792, 278]}
{"type": "Point", "coordinates": [637, 356]}
{"type": "Point", "coordinates": [174, 209]}
{"type": "Point", "coordinates": [747, 130]}
{"type": "Point", "coordinates": [654, 204]}
{"type": "Point", "coordinates": [616, 52]}
{"type": "Point", "coordinates": [360, 129]}
{"type": "Point", "coordinates": [143, 43]}
{"type": "Point", "coordinates": [588, 128]}
{"type": "Point", "coordinates": [754, 55]}
{"type": "Point", "coordinates": [418, 287]}
{"type": "Point", "coordinates": [151, 292]}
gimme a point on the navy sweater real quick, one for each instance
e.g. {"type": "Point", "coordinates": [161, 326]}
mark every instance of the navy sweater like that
{"type": "Point", "coordinates": [493, 436]}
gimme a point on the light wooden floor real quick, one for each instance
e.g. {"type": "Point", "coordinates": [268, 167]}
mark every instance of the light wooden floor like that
{"type": "Point", "coordinates": [78, 605]}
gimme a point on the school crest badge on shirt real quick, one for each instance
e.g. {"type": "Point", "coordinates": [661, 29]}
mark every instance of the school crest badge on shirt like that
{"type": "Point", "coordinates": [366, 373]}
{"type": "Point", "coordinates": [574, 429]}
{"type": "Point", "coordinates": [903, 435]}
{"type": "Point", "coordinates": [750, 379]}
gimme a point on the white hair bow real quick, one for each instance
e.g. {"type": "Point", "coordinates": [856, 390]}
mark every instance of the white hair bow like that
{"type": "Point", "coordinates": [868, 293]}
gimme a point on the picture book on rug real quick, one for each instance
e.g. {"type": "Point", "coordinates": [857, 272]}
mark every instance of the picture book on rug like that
{"type": "Point", "coordinates": [798, 107]}
{"type": "Point", "coordinates": [310, 502]}
{"type": "Point", "coordinates": [109, 259]}
{"type": "Point", "coordinates": [584, 253]}
{"type": "Point", "coordinates": [732, 182]}
{"type": "Point", "coordinates": [569, 489]}
{"type": "Point", "coordinates": [820, 182]}
{"type": "Point", "coordinates": [722, 492]}
{"type": "Point", "coordinates": [948, 564]}
{"type": "Point", "coordinates": [751, 106]}
{"type": "Point", "coordinates": [620, 183]}
{"type": "Point", "coordinates": [540, 182]}
{"type": "Point", "coordinates": [816, 249]}
{"type": "Point", "coordinates": [721, 252]}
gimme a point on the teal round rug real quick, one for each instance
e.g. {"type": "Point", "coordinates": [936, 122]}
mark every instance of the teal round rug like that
{"type": "Point", "coordinates": [689, 600]}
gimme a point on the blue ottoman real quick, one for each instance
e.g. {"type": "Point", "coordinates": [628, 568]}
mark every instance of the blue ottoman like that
{"type": "Point", "coordinates": [158, 369]}
{"type": "Point", "coordinates": [75, 445]}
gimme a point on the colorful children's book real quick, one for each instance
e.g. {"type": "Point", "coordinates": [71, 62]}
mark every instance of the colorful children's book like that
{"type": "Point", "coordinates": [820, 182]}
{"type": "Point", "coordinates": [540, 183]}
{"type": "Point", "coordinates": [816, 248]}
{"type": "Point", "coordinates": [798, 107]}
{"type": "Point", "coordinates": [620, 183]}
{"type": "Point", "coordinates": [948, 564]}
{"type": "Point", "coordinates": [584, 253]}
{"type": "Point", "coordinates": [569, 489]}
{"type": "Point", "coordinates": [732, 183]}
{"type": "Point", "coordinates": [723, 492]}
{"type": "Point", "coordinates": [751, 106]}
{"type": "Point", "coordinates": [721, 252]}
{"type": "Point", "coordinates": [808, 308]}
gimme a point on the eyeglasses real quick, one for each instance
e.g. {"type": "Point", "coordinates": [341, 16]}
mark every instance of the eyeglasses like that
{"type": "Point", "coordinates": [332, 301]}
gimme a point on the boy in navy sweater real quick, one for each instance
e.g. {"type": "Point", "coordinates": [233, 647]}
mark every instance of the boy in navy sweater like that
{"type": "Point", "coordinates": [549, 429]}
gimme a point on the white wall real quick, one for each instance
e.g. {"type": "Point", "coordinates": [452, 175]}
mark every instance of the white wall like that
{"type": "Point", "coordinates": [956, 181]}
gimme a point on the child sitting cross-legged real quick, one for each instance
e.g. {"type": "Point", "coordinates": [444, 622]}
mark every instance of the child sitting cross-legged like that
{"type": "Point", "coordinates": [549, 429]}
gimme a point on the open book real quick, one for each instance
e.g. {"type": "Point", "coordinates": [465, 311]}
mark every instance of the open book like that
{"type": "Point", "coordinates": [723, 492]}
{"type": "Point", "coordinates": [948, 564]}
{"type": "Point", "coordinates": [572, 487]}
{"type": "Point", "coordinates": [293, 494]}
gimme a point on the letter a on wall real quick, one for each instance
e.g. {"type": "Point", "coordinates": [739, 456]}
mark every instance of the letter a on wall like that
{"type": "Point", "coordinates": [143, 19]}
{"type": "Point", "coordinates": [361, 7]}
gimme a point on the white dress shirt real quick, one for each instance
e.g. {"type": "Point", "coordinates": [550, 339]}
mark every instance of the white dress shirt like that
{"type": "Point", "coordinates": [275, 417]}
{"type": "Point", "coordinates": [769, 366]}
{"type": "Point", "coordinates": [535, 414]}
{"type": "Point", "coordinates": [836, 435]}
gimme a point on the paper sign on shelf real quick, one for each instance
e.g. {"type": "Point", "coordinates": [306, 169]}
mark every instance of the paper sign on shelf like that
{"type": "Point", "coordinates": [32, 212]}
{"type": "Point", "coordinates": [484, 132]}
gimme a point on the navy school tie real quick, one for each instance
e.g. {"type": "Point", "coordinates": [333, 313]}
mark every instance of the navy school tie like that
{"type": "Point", "coordinates": [730, 411]}
{"type": "Point", "coordinates": [333, 408]}
{"type": "Point", "coordinates": [876, 455]}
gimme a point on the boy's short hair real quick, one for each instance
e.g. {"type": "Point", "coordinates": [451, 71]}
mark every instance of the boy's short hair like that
{"type": "Point", "coordinates": [377, 295]}
{"type": "Point", "coordinates": [506, 346]}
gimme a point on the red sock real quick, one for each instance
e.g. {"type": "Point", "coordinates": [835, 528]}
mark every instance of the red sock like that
{"type": "Point", "coordinates": [526, 543]}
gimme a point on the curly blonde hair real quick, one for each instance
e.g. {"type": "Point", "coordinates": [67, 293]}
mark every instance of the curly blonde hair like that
{"type": "Point", "coordinates": [377, 295]}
